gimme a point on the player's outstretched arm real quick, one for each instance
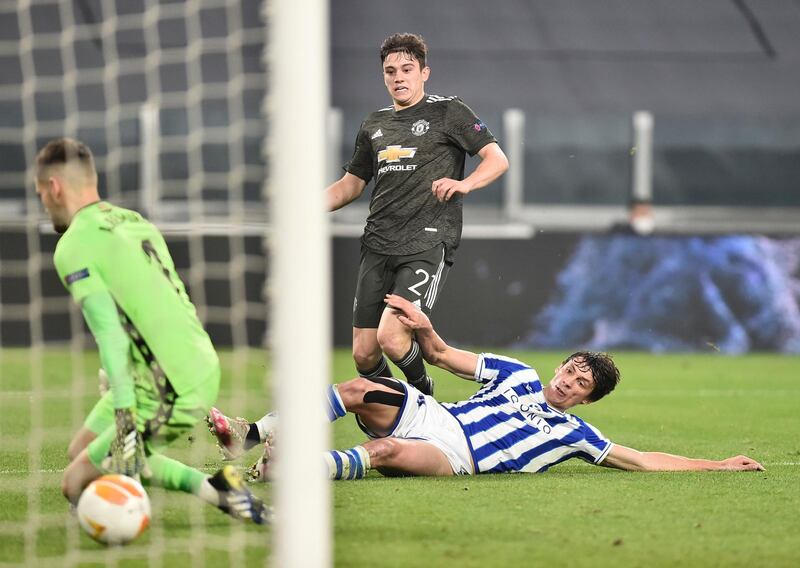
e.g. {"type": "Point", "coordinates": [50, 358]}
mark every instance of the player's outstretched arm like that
{"type": "Point", "coordinates": [127, 448]}
{"type": "Point", "coordinates": [629, 459]}
{"type": "Point", "coordinates": [342, 192]}
{"type": "Point", "coordinates": [434, 349]}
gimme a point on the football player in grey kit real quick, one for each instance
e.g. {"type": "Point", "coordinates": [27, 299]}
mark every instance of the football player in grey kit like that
{"type": "Point", "coordinates": [414, 150]}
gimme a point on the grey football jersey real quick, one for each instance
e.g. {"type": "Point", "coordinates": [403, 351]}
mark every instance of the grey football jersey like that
{"type": "Point", "coordinates": [405, 152]}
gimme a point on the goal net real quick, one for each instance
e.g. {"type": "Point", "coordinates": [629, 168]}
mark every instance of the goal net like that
{"type": "Point", "coordinates": [170, 96]}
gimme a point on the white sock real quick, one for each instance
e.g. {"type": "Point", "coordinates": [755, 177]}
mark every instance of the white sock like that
{"type": "Point", "coordinates": [266, 424]}
{"type": "Point", "coordinates": [350, 464]}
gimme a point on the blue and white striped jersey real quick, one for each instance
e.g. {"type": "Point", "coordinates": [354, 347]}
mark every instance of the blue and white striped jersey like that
{"type": "Point", "coordinates": [510, 427]}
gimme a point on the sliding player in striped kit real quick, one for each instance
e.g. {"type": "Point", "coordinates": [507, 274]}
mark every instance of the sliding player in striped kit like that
{"type": "Point", "coordinates": [512, 424]}
{"type": "Point", "coordinates": [162, 369]}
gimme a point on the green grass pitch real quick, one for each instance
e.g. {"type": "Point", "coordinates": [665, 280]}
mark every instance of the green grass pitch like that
{"type": "Point", "coordinates": [574, 515]}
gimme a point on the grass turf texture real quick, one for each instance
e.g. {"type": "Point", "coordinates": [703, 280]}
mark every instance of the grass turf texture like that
{"type": "Point", "coordinates": [574, 515]}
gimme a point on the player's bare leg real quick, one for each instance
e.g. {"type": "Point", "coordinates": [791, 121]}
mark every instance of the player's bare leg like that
{"type": "Point", "coordinates": [367, 353]}
{"type": "Point", "coordinates": [393, 337]}
{"type": "Point", "coordinates": [397, 341]}
{"type": "Point", "coordinates": [398, 456]}
{"type": "Point", "coordinates": [82, 438]}
{"type": "Point", "coordinates": [376, 404]}
{"type": "Point", "coordinates": [85, 436]}
{"type": "Point", "coordinates": [79, 473]}
{"type": "Point", "coordinates": [390, 456]}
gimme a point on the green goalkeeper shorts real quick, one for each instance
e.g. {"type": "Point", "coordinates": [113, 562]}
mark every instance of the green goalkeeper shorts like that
{"type": "Point", "coordinates": [162, 421]}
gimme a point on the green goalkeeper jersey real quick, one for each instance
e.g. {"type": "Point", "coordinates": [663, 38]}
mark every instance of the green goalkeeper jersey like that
{"type": "Point", "coordinates": [108, 248]}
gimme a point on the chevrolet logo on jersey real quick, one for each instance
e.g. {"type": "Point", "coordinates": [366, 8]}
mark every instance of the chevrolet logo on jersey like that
{"type": "Point", "coordinates": [392, 155]}
{"type": "Point", "coordinates": [395, 153]}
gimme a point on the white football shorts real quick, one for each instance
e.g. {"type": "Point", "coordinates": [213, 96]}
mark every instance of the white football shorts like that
{"type": "Point", "coordinates": [423, 418]}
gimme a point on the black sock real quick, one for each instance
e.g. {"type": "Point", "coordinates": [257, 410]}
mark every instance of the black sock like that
{"type": "Point", "coordinates": [382, 369]}
{"type": "Point", "coordinates": [412, 364]}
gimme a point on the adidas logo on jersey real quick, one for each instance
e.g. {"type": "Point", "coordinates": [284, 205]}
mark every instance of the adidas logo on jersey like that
{"type": "Point", "coordinates": [377, 134]}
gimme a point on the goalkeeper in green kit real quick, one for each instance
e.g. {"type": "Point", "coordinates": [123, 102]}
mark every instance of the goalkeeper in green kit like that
{"type": "Point", "coordinates": [163, 371]}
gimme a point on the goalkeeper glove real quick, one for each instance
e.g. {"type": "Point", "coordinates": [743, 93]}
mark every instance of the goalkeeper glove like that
{"type": "Point", "coordinates": [127, 449]}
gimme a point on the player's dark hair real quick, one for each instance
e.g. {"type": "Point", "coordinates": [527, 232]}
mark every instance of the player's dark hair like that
{"type": "Point", "coordinates": [60, 152]}
{"type": "Point", "coordinates": [604, 371]}
{"type": "Point", "coordinates": [411, 44]}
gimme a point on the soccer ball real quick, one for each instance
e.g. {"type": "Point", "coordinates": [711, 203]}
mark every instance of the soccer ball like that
{"type": "Point", "coordinates": [114, 509]}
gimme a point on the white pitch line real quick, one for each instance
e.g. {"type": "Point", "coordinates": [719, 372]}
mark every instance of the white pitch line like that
{"type": "Point", "coordinates": [62, 393]}
{"type": "Point", "coordinates": [687, 392]}
{"type": "Point", "coordinates": [44, 471]}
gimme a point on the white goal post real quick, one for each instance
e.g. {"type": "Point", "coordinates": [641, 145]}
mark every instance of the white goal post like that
{"type": "Point", "coordinates": [300, 323]}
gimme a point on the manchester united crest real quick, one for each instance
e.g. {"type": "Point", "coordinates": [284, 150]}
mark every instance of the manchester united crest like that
{"type": "Point", "coordinates": [420, 127]}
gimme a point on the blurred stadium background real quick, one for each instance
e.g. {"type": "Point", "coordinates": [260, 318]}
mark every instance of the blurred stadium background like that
{"type": "Point", "coordinates": [170, 97]}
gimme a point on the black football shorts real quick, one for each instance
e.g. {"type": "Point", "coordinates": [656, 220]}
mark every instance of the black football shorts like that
{"type": "Point", "coordinates": [417, 277]}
